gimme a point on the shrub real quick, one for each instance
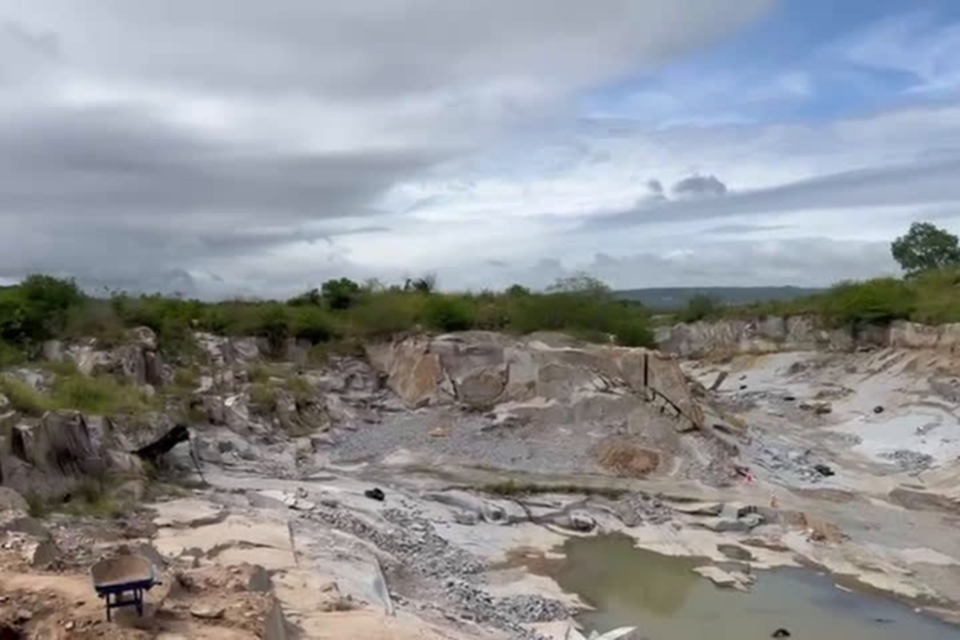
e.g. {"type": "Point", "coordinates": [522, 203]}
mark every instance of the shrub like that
{"type": "Point", "coordinates": [312, 324]}
{"type": "Point", "coordinates": [23, 397]}
{"type": "Point", "coordinates": [299, 388]}
{"type": "Point", "coordinates": [268, 320]}
{"type": "Point", "coordinates": [98, 396]}
{"type": "Point", "coordinates": [10, 355]}
{"type": "Point", "coordinates": [447, 313]}
{"type": "Point", "coordinates": [37, 309]}
{"type": "Point", "coordinates": [263, 397]}
{"type": "Point", "coordinates": [874, 301]}
{"type": "Point", "coordinates": [95, 319]}
{"type": "Point", "coordinates": [425, 285]}
{"type": "Point", "coordinates": [340, 294]}
{"type": "Point", "coordinates": [699, 307]}
{"type": "Point", "coordinates": [385, 314]}
{"type": "Point", "coordinates": [307, 298]}
{"type": "Point", "coordinates": [635, 332]}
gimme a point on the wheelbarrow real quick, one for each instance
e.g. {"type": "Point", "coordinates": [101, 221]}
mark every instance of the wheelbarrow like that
{"type": "Point", "coordinates": [122, 581]}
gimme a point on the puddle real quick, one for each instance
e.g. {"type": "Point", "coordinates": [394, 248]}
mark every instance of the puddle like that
{"type": "Point", "coordinates": [667, 601]}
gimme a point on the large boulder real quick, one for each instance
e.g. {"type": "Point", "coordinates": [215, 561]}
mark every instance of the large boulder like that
{"type": "Point", "coordinates": [136, 360]}
{"type": "Point", "coordinates": [60, 443]}
{"type": "Point", "coordinates": [413, 372]}
{"type": "Point", "coordinates": [52, 457]}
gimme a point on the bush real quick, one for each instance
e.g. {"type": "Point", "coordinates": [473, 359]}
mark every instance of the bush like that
{"type": "Point", "coordinates": [447, 313]}
{"type": "Point", "coordinates": [10, 355]}
{"type": "Point", "coordinates": [263, 397]}
{"type": "Point", "coordinates": [268, 320]}
{"type": "Point", "coordinates": [340, 294]}
{"type": "Point", "coordinates": [874, 301]}
{"type": "Point", "coordinates": [98, 396]}
{"type": "Point", "coordinates": [95, 319]}
{"type": "Point", "coordinates": [307, 298]}
{"type": "Point", "coordinates": [23, 397]}
{"type": "Point", "coordinates": [312, 324]}
{"type": "Point", "coordinates": [699, 307]}
{"type": "Point", "coordinates": [37, 309]}
{"type": "Point", "coordinates": [385, 314]}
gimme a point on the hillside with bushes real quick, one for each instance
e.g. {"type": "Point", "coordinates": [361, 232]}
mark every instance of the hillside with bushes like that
{"type": "Point", "coordinates": [337, 316]}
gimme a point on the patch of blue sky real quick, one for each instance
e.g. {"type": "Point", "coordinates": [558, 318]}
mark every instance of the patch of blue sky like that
{"type": "Point", "coordinates": [815, 59]}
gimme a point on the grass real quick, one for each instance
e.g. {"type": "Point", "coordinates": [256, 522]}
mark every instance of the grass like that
{"type": "Point", "coordinates": [92, 499]}
{"type": "Point", "coordinates": [25, 398]}
{"type": "Point", "coordinates": [263, 396]}
{"type": "Point", "coordinates": [10, 355]}
{"type": "Point", "coordinates": [98, 396]}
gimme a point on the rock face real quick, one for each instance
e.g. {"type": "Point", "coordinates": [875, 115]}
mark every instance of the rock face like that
{"type": "Point", "coordinates": [53, 456]}
{"type": "Point", "coordinates": [137, 359]}
{"type": "Point", "coordinates": [766, 335]}
{"type": "Point", "coordinates": [485, 370]}
{"type": "Point", "coordinates": [798, 333]}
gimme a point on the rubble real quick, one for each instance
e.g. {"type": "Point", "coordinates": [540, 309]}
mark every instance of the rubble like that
{"type": "Point", "coordinates": [373, 472]}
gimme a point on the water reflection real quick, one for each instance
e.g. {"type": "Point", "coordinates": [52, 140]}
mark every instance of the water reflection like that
{"type": "Point", "coordinates": [610, 573]}
{"type": "Point", "coordinates": [662, 596]}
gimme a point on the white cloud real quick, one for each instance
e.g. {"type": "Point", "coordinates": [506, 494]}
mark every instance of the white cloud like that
{"type": "Point", "coordinates": [916, 43]}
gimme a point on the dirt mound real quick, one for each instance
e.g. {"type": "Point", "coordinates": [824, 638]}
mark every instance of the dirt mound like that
{"type": "Point", "coordinates": [627, 458]}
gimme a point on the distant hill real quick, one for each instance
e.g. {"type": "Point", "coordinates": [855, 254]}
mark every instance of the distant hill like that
{"type": "Point", "coordinates": [669, 298]}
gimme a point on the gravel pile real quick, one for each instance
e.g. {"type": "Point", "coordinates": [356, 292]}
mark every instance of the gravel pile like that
{"type": "Point", "coordinates": [785, 461]}
{"type": "Point", "coordinates": [413, 541]}
{"type": "Point", "coordinates": [637, 508]}
{"type": "Point", "coordinates": [912, 462]}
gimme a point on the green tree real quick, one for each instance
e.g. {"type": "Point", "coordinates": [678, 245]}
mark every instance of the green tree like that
{"type": "Point", "coordinates": [341, 293]}
{"type": "Point", "coordinates": [306, 299]}
{"type": "Point", "coordinates": [581, 284]}
{"type": "Point", "coordinates": [925, 247]}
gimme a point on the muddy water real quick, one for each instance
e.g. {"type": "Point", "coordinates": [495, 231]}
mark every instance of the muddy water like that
{"type": "Point", "coordinates": [666, 600]}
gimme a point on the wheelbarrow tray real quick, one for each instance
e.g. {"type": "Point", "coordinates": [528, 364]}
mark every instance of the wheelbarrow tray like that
{"type": "Point", "coordinates": [124, 574]}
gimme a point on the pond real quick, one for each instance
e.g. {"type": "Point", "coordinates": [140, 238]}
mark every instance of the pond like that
{"type": "Point", "coordinates": [664, 598]}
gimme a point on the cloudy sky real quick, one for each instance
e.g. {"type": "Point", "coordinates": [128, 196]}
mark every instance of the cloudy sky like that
{"type": "Point", "coordinates": [217, 147]}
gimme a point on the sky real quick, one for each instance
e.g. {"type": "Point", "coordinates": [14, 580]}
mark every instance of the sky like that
{"type": "Point", "coordinates": [219, 148]}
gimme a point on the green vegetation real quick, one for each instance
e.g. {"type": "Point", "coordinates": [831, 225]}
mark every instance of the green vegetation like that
{"type": "Point", "coordinates": [699, 307]}
{"type": "Point", "coordinates": [94, 395]}
{"type": "Point", "coordinates": [341, 313]}
{"type": "Point", "coordinates": [925, 247]}
{"type": "Point", "coordinates": [97, 395]}
{"type": "Point", "coordinates": [23, 397]}
{"type": "Point", "coordinates": [932, 297]}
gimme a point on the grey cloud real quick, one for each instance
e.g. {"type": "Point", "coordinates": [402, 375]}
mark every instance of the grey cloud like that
{"type": "Point", "coordinates": [123, 161]}
{"type": "Point", "coordinates": [655, 187]}
{"type": "Point", "coordinates": [698, 186]}
{"type": "Point", "coordinates": [736, 229]}
{"type": "Point", "coordinates": [924, 182]}
{"type": "Point", "coordinates": [116, 193]}
{"type": "Point", "coordinates": [85, 192]}
{"type": "Point", "coordinates": [384, 48]}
